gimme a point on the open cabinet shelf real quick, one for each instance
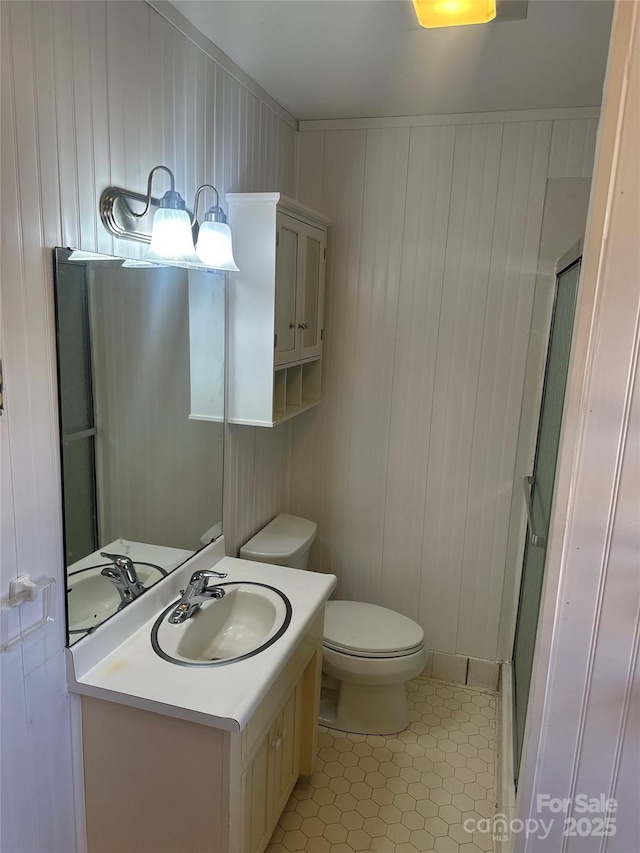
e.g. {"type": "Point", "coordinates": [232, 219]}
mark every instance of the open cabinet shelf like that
{"type": "Point", "coordinates": [296, 389]}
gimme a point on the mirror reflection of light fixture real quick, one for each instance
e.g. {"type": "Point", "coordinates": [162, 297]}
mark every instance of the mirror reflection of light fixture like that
{"type": "Point", "coordinates": [167, 225]}
{"type": "Point", "coordinates": [83, 257]}
{"type": "Point", "coordinates": [141, 264]}
{"type": "Point", "coordinates": [453, 13]}
{"type": "Point", "coordinates": [214, 237]}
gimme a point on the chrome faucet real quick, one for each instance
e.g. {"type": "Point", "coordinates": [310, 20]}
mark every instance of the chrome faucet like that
{"type": "Point", "coordinates": [123, 576]}
{"type": "Point", "coordinates": [196, 593]}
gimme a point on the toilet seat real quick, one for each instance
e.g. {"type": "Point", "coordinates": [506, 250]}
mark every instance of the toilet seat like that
{"type": "Point", "coordinates": [363, 630]}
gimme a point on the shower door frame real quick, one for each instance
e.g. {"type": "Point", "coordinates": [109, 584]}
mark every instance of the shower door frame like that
{"type": "Point", "coordinates": [565, 263]}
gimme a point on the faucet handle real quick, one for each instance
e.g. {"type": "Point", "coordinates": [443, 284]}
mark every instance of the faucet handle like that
{"type": "Point", "coordinates": [116, 558]}
{"type": "Point", "coordinates": [109, 572]}
{"type": "Point", "coordinates": [203, 574]}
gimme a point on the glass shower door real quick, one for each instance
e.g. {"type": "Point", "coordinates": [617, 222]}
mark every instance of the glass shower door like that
{"type": "Point", "coordinates": [539, 488]}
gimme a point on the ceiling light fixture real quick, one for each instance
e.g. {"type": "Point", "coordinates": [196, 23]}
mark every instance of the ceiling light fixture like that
{"type": "Point", "coordinates": [453, 13]}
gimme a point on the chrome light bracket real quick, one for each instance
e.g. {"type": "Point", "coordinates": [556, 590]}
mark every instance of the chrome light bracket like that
{"type": "Point", "coordinates": [124, 216]}
{"type": "Point", "coordinates": [118, 209]}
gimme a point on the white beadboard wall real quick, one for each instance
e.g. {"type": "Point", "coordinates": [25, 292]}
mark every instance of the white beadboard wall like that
{"type": "Point", "coordinates": [583, 728]}
{"type": "Point", "coordinates": [96, 93]}
{"type": "Point", "coordinates": [430, 286]}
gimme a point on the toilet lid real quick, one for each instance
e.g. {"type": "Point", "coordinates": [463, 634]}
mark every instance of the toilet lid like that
{"type": "Point", "coordinates": [366, 629]}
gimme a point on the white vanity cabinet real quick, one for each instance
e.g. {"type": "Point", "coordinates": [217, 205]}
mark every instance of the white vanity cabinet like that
{"type": "Point", "coordinates": [276, 308]}
{"type": "Point", "coordinates": [163, 784]}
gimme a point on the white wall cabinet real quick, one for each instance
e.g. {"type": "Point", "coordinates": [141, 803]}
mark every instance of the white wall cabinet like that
{"type": "Point", "coordinates": [276, 308]}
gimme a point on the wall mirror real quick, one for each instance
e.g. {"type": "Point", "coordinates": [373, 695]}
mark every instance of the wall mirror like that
{"type": "Point", "coordinates": [141, 391]}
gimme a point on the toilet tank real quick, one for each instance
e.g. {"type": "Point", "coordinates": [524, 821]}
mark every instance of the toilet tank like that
{"type": "Point", "coordinates": [285, 541]}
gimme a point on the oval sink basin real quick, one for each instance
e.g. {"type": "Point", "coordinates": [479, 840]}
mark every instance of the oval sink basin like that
{"type": "Point", "coordinates": [249, 619]}
{"type": "Point", "coordinates": [92, 598]}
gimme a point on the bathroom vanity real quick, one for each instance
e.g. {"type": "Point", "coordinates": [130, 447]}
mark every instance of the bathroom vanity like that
{"type": "Point", "coordinates": [198, 758]}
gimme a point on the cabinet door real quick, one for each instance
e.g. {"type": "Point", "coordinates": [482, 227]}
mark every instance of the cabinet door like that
{"type": "Point", "coordinates": [286, 753]}
{"type": "Point", "coordinates": [256, 799]}
{"type": "Point", "coordinates": [270, 777]}
{"type": "Point", "coordinates": [311, 292]}
{"type": "Point", "coordinates": [289, 267]}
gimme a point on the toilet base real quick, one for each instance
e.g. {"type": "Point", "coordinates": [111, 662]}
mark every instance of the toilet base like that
{"type": "Point", "coordinates": [367, 709]}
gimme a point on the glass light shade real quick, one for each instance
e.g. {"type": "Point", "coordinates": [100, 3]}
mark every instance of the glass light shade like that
{"type": "Point", "coordinates": [171, 237]}
{"type": "Point", "coordinates": [453, 13]}
{"type": "Point", "coordinates": [214, 246]}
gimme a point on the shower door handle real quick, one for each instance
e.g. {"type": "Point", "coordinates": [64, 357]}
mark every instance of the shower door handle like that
{"type": "Point", "coordinates": [537, 541]}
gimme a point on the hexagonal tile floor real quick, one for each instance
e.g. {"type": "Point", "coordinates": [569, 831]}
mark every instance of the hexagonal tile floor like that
{"type": "Point", "coordinates": [407, 793]}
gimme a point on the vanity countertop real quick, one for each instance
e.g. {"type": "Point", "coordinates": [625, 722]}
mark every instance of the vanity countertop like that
{"type": "Point", "coordinates": [118, 663]}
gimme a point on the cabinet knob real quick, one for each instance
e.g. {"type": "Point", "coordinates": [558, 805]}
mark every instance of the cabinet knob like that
{"type": "Point", "coordinates": [303, 325]}
{"type": "Point", "coordinates": [292, 325]}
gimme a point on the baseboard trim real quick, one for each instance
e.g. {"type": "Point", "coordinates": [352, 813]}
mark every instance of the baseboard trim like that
{"type": "Point", "coordinates": [466, 671]}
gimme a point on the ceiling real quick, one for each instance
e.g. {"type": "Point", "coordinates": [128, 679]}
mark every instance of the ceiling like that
{"type": "Point", "coordinates": [323, 59]}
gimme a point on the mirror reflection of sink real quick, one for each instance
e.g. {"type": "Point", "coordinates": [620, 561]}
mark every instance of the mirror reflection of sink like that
{"type": "Point", "coordinates": [249, 619]}
{"type": "Point", "coordinates": [92, 598]}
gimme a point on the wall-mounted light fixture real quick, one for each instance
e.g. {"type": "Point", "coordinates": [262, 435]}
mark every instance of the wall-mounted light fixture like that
{"type": "Point", "coordinates": [453, 13]}
{"type": "Point", "coordinates": [167, 225]}
{"type": "Point", "coordinates": [214, 236]}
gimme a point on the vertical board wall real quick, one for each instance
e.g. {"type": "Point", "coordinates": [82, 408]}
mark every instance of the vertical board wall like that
{"type": "Point", "coordinates": [583, 728]}
{"type": "Point", "coordinates": [96, 93]}
{"type": "Point", "coordinates": [429, 293]}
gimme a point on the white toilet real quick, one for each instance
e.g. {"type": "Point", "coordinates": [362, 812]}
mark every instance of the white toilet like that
{"type": "Point", "coordinates": [369, 651]}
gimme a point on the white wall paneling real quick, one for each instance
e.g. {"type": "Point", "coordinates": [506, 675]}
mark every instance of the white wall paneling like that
{"type": "Point", "coordinates": [431, 279]}
{"type": "Point", "coordinates": [322, 442]}
{"type": "Point", "coordinates": [573, 144]}
{"type": "Point", "coordinates": [95, 93]}
{"type": "Point", "coordinates": [378, 275]}
{"type": "Point", "coordinates": [255, 480]}
{"type": "Point", "coordinates": [416, 333]}
{"type": "Point", "coordinates": [584, 710]}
